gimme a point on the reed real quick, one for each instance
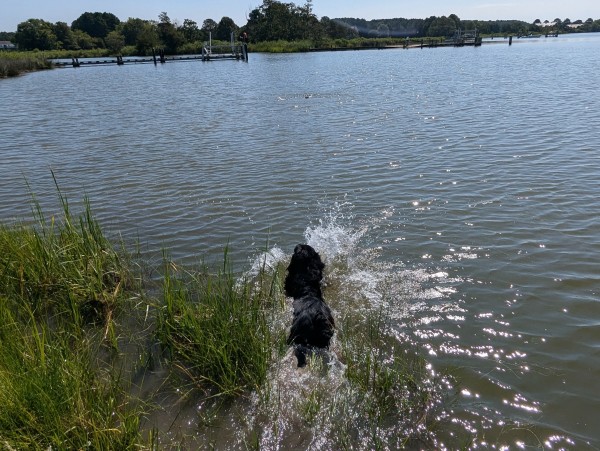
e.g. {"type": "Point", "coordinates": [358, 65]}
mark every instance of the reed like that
{"type": "Point", "coordinates": [61, 281]}
{"type": "Point", "coordinates": [306, 45]}
{"type": "Point", "coordinates": [53, 396]}
{"type": "Point", "coordinates": [16, 63]}
{"type": "Point", "coordinates": [216, 328]}
{"type": "Point", "coordinates": [63, 267]}
{"type": "Point", "coordinates": [281, 46]}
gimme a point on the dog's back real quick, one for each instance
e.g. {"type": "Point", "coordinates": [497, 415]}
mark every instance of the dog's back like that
{"type": "Point", "coordinates": [313, 324]}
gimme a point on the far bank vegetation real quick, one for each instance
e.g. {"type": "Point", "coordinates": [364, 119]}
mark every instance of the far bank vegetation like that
{"type": "Point", "coordinates": [289, 26]}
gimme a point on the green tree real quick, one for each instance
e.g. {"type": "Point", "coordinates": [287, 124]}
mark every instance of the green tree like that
{"type": "Point", "coordinates": [147, 39]}
{"type": "Point", "coordinates": [456, 20]}
{"type": "Point", "coordinates": [383, 30]}
{"type": "Point", "coordinates": [36, 34]}
{"type": "Point", "coordinates": [442, 26]}
{"type": "Point", "coordinates": [225, 27]}
{"type": "Point", "coordinates": [97, 25]}
{"type": "Point", "coordinates": [65, 37]}
{"type": "Point", "coordinates": [337, 29]}
{"type": "Point", "coordinates": [83, 40]}
{"type": "Point", "coordinates": [190, 31]}
{"type": "Point", "coordinates": [131, 29]}
{"type": "Point", "coordinates": [209, 26]}
{"type": "Point", "coordinates": [10, 36]}
{"type": "Point", "coordinates": [275, 20]}
{"type": "Point", "coordinates": [115, 41]}
{"type": "Point", "coordinates": [169, 36]}
{"type": "Point", "coordinates": [307, 21]}
{"type": "Point", "coordinates": [164, 18]}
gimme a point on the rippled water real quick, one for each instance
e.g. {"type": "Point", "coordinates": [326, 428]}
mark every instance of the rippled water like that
{"type": "Point", "coordinates": [473, 174]}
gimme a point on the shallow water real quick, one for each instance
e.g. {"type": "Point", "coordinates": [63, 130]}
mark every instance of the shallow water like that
{"type": "Point", "coordinates": [461, 183]}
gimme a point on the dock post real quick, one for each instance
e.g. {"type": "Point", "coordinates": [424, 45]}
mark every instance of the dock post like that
{"type": "Point", "coordinates": [154, 55]}
{"type": "Point", "coordinates": [162, 56]}
{"type": "Point", "coordinates": [510, 40]}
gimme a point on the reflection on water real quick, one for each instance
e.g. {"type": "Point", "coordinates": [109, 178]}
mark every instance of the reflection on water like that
{"type": "Point", "coordinates": [458, 186]}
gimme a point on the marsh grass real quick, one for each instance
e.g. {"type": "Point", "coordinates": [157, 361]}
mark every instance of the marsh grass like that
{"type": "Point", "coordinates": [61, 282]}
{"type": "Point", "coordinates": [215, 327]}
{"type": "Point", "coordinates": [64, 267]}
{"type": "Point", "coordinates": [306, 45]}
{"type": "Point", "coordinates": [16, 63]}
{"type": "Point", "coordinates": [53, 396]}
{"type": "Point", "coordinates": [281, 46]}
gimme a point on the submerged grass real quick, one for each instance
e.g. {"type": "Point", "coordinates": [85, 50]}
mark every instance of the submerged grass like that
{"type": "Point", "coordinates": [373, 394]}
{"type": "Point", "coordinates": [397, 394]}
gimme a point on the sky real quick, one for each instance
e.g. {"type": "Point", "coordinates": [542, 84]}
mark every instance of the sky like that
{"type": "Point", "coordinates": [13, 12]}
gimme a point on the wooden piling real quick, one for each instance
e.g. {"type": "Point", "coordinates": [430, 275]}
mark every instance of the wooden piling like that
{"type": "Point", "coordinates": [510, 40]}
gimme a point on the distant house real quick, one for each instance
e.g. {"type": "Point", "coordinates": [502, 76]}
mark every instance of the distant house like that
{"type": "Point", "coordinates": [7, 45]}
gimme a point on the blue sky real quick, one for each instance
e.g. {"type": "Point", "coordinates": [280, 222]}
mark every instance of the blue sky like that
{"type": "Point", "coordinates": [13, 12]}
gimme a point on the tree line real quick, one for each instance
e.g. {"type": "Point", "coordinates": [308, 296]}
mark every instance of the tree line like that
{"type": "Point", "coordinates": [106, 31]}
{"type": "Point", "coordinates": [271, 21]}
{"type": "Point", "coordinates": [446, 26]}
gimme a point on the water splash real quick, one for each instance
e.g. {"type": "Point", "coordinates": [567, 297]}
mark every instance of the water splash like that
{"type": "Point", "coordinates": [266, 261]}
{"type": "Point", "coordinates": [306, 408]}
{"type": "Point", "coordinates": [331, 237]}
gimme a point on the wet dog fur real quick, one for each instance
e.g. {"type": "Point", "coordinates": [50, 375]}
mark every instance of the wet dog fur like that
{"type": "Point", "coordinates": [313, 324]}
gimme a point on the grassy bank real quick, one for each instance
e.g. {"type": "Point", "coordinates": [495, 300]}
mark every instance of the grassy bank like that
{"type": "Point", "coordinates": [61, 284]}
{"type": "Point", "coordinates": [70, 378]}
{"type": "Point", "coordinates": [53, 395]}
{"type": "Point", "coordinates": [16, 63]}
{"type": "Point", "coordinates": [327, 44]}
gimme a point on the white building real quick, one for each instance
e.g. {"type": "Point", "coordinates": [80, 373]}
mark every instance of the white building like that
{"type": "Point", "coordinates": [7, 45]}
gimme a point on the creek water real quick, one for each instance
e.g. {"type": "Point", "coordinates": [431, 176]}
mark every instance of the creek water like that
{"type": "Point", "coordinates": [471, 173]}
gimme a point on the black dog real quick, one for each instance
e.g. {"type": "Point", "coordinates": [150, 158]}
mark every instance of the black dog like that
{"type": "Point", "coordinates": [313, 324]}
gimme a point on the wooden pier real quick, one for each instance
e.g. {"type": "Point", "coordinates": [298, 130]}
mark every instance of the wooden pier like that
{"type": "Point", "coordinates": [237, 51]}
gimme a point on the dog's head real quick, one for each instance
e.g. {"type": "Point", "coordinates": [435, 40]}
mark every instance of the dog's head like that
{"type": "Point", "coordinates": [305, 271]}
